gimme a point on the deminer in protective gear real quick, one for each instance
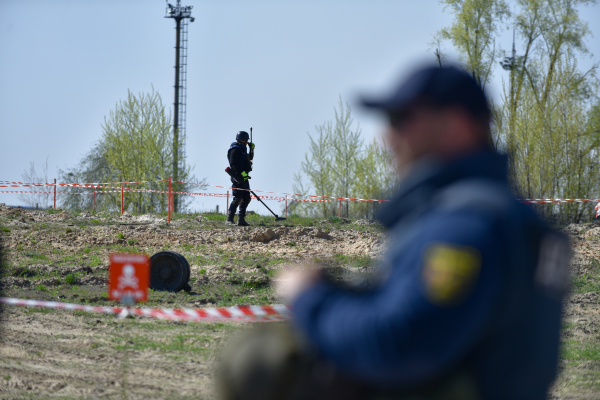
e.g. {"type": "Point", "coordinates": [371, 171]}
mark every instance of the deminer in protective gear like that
{"type": "Point", "coordinates": [240, 162]}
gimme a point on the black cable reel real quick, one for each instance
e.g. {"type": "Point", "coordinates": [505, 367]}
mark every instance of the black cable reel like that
{"type": "Point", "coordinates": [169, 271]}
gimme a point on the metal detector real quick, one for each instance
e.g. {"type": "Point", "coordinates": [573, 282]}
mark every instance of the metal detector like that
{"type": "Point", "coordinates": [277, 217]}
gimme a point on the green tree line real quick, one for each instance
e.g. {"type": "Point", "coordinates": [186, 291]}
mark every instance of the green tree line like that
{"type": "Point", "coordinates": [547, 122]}
{"type": "Point", "coordinates": [548, 119]}
{"type": "Point", "coordinates": [339, 163]}
{"type": "Point", "coordinates": [136, 145]}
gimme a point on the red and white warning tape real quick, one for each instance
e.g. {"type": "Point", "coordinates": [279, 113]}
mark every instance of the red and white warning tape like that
{"type": "Point", "coordinates": [28, 192]}
{"type": "Point", "coordinates": [287, 194]}
{"type": "Point", "coordinates": [132, 190]}
{"type": "Point", "coordinates": [26, 184]}
{"type": "Point", "coordinates": [544, 201]}
{"type": "Point", "coordinates": [277, 312]}
{"type": "Point", "coordinates": [23, 184]}
{"type": "Point", "coordinates": [23, 191]}
{"type": "Point", "coordinates": [314, 198]}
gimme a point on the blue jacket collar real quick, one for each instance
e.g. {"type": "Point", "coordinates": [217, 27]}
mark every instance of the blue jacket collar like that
{"type": "Point", "coordinates": [430, 175]}
{"type": "Point", "coordinates": [239, 146]}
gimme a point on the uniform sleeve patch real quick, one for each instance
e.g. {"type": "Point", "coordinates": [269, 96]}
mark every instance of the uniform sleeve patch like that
{"type": "Point", "coordinates": [449, 273]}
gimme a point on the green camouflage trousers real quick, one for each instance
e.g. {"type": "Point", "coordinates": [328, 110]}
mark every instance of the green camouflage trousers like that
{"type": "Point", "coordinates": [272, 362]}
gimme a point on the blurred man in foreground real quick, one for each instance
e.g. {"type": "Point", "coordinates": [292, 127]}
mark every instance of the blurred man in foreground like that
{"type": "Point", "coordinates": [468, 303]}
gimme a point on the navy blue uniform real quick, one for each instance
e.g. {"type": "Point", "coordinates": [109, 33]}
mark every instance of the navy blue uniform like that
{"type": "Point", "coordinates": [472, 281]}
{"type": "Point", "coordinates": [239, 161]}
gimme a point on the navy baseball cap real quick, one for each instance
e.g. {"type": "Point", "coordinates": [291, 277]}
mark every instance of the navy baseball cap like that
{"type": "Point", "coordinates": [438, 87]}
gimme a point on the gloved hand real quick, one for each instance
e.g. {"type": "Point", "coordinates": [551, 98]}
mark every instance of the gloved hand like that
{"type": "Point", "coordinates": [245, 176]}
{"type": "Point", "coordinates": [252, 146]}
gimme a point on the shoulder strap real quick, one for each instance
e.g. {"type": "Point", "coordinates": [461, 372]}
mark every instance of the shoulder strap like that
{"type": "Point", "coordinates": [476, 192]}
{"type": "Point", "coordinates": [469, 193]}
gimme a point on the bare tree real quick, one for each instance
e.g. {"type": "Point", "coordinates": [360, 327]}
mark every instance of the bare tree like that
{"type": "Point", "coordinates": [38, 196]}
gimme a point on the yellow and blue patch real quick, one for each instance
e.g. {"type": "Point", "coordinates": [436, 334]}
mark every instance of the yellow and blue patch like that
{"type": "Point", "coordinates": [449, 273]}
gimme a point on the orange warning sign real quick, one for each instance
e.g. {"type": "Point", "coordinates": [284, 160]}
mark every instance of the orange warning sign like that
{"type": "Point", "coordinates": [128, 277]}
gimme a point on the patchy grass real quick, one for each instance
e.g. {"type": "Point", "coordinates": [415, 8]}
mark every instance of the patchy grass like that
{"type": "Point", "coordinates": [183, 343]}
{"type": "Point", "coordinates": [41, 288]}
{"type": "Point", "coordinates": [70, 279]}
{"type": "Point", "coordinates": [356, 261]}
{"type": "Point", "coordinates": [586, 283]}
{"type": "Point", "coordinates": [577, 351]}
{"type": "Point", "coordinates": [117, 248]}
{"type": "Point", "coordinates": [42, 310]}
{"type": "Point", "coordinates": [94, 261]}
{"type": "Point", "coordinates": [35, 255]}
{"type": "Point", "coordinates": [243, 279]}
{"type": "Point", "coordinates": [213, 220]}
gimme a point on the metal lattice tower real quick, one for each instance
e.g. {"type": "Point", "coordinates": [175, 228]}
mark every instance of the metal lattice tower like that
{"type": "Point", "coordinates": [510, 63]}
{"type": "Point", "coordinates": [182, 91]}
{"type": "Point", "coordinates": [180, 14]}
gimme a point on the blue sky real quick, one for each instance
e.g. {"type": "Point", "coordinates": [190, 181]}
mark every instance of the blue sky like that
{"type": "Point", "coordinates": [278, 66]}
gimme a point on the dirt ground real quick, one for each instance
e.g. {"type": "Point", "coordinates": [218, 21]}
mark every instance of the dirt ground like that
{"type": "Point", "coordinates": [70, 355]}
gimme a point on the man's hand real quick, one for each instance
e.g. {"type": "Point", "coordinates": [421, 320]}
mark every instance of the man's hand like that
{"type": "Point", "coordinates": [245, 176]}
{"type": "Point", "coordinates": [292, 282]}
{"type": "Point", "coordinates": [251, 155]}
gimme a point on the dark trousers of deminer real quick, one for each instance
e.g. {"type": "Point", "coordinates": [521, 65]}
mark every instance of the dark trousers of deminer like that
{"type": "Point", "coordinates": [241, 198]}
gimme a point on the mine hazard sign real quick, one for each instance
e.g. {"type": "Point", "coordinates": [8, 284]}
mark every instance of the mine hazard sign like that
{"type": "Point", "coordinates": [128, 277]}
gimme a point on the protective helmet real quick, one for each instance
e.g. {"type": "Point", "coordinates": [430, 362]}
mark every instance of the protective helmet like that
{"type": "Point", "coordinates": [243, 136]}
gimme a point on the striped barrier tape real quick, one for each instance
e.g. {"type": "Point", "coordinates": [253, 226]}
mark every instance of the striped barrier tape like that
{"type": "Point", "coordinates": [131, 190]}
{"type": "Point", "coordinates": [28, 192]}
{"type": "Point", "coordinates": [359, 199]}
{"type": "Point", "coordinates": [23, 191]}
{"type": "Point", "coordinates": [97, 191]}
{"type": "Point", "coordinates": [59, 184]}
{"type": "Point", "coordinates": [225, 195]}
{"type": "Point", "coordinates": [545, 201]}
{"type": "Point", "coordinates": [94, 185]}
{"type": "Point", "coordinates": [287, 194]}
{"type": "Point", "coordinates": [125, 190]}
{"type": "Point", "coordinates": [26, 184]}
{"type": "Point", "coordinates": [276, 312]}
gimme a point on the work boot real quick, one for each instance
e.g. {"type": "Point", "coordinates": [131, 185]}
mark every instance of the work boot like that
{"type": "Point", "coordinates": [242, 221]}
{"type": "Point", "coordinates": [230, 219]}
